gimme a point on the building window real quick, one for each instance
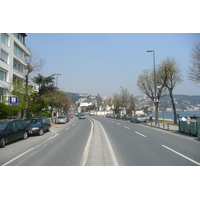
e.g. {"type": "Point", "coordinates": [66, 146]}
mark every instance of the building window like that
{"type": "Point", "coordinates": [18, 51]}
{"type": "Point", "coordinates": [5, 38]}
{"type": "Point", "coordinates": [18, 66]}
{"type": "Point", "coordinates": [2, 91]}
{"type": "Point", "coordinates": [2, 75]}
{"type": "Point", "coordinates": [4, 56]}
{"type": "Point", "coordinates": [20, 36]}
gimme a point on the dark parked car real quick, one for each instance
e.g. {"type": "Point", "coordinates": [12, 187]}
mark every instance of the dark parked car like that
{"type": "Point", "coordinates": [138, 118]}
{"type": "Point", "coordinates": [126, 117]}
{"type": "Point", "coordinates": [11, 130]}
{"type": "Point", "coordinates": [39, 125]}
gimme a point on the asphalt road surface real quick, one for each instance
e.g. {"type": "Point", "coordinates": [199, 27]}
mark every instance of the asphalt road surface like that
{"type": "Point", "coordinates": [132, 145]}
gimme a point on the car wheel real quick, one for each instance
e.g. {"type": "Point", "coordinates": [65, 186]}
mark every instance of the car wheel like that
{"type": "Point", "coordinates": [48, 129]}
{"type": "Point", "coordinates": [3, 142]}
{"type": "Point", "coordinates": [25, 135]}
{"type": "Point", "coordinates": [41, 132]}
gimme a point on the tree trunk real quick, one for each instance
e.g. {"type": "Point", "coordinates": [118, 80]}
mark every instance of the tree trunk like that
{"type": "Point", "coordinates": [173, 106]}
{"type": "Point", "coordinates": [156, 115]}
{"type": "Point", "coordinates": [26, 98]}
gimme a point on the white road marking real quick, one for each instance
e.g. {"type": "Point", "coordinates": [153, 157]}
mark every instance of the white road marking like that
{"type": "Point", "coordinates": [17, 157]}
{"type": "Point", "coordinates": [53, 136]}
{"type": "Point", "coordinates": [109, 145]}
{"type": "Point", "coordinates": [126, 127]}
{"type": "Point", "coordinates": [112, 121]}
{"type": "Point", "coordinates": [140, 134]}
{"type": "Point", "coordinates": [67, 128]}
{"type": "Point", "coordinates": [86, 150]}
{"type": "Point", "coordinates": [118, 124]}
{"type": "Point", "coordinates": [197, 163]}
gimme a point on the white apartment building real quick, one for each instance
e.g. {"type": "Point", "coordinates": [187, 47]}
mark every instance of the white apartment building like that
{"type": "Point", "coordinates": [13, 51]}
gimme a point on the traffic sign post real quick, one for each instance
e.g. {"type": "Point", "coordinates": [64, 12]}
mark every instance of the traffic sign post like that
{"type": "Point", "coordinates": [13, 101]}
{"type": "Point", "coordinates": [156, 100]}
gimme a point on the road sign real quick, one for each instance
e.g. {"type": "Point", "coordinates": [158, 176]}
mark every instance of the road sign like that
{"type": "Point", "coordinates": [155, 100]}
{"type": "Point", "coordinates": [13, 101]}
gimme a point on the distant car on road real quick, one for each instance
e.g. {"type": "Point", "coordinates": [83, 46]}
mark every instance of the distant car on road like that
{"type": "Point", "coordinates": [81, 116]}
{"type": "Point", "coordinates": [12, 130]}
{"type": "Point", "coordinates": [39, 125]}
{"type": "Point", "coordinates": [138, 118]}
{"type": "Point", "coordinates": [61, 119]}
{"type": "Point", "coordinates": [70, 116]}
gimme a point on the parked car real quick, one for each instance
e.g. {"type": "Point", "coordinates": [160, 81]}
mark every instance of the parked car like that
{"type": "Point", "coordinates": [12, 130]}
{"type": "Point", "coordinates": [121, 115]}
{"type": "Point", "coordinates": [138, 118]}
{"type": "Point", "coordinates": [81, 116]}
{"type": "Point", "coordinates": [116, 115]}
{"type": "Point", "coordinates": [61, 119]}
{"type": "Point", "coordinates": [39, 125]}
{"type": "Point", "coordinates": [126, 117]}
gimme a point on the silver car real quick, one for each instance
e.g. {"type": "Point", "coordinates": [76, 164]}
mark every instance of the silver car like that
{"type": "Point", "coordinates": [61, 119]}
{"type": "Point", "coordinates": [81, 116]}
{"type": "Point", "coordinates": [138, 118]}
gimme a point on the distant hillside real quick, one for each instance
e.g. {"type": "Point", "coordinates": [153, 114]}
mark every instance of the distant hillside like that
{"type": "Point", "coordinates": [76, 96]}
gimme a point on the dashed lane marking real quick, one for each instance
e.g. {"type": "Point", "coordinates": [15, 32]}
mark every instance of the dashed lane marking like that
{"type": "Point", "coordinates": [140, 134]}
{"type": "Point", "coordinates": [126, 127]}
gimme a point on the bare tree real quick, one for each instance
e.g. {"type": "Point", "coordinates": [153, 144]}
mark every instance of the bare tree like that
{"type": "Point", "coordinates": [146, 85]}
{"type": "Point", "coordinates": [169, 76]}
{"type": "Point", "coordinates": [194, 69]}
{"type": "Point", "coordinates": [33, 64]}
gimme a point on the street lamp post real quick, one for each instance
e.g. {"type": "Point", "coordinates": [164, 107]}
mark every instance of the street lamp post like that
{"type": "Point", "coordinates": [155, 95]}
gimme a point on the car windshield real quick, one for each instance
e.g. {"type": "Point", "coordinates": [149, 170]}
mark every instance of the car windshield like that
{"type": "Point", "coordinates": [3, 123]}
{"type": "Point", "coordinates": [81, 115]}
{"type": "Point", "coordinates": [59, 117]}
{"type": "Point", "coordinates": [35, 121]}
{"type": "Point", "coordinates": [2, 126]}
{"type": "Point", "coordinates": [141, 115]}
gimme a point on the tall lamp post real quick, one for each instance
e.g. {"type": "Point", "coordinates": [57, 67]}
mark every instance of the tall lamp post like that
{"type": "Point", "coordinates": [155, 95]}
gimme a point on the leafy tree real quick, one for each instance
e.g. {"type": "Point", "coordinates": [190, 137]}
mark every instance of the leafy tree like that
{"type": "Point", "coordinates": [3, 111]}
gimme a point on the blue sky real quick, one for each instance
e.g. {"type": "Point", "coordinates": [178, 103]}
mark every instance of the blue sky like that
{"type": "Point", "coordinates": [102, 62]}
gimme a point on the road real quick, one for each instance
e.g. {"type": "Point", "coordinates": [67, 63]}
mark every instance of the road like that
{"type": "Point", "coordinates": [128, 144]}
{"type": "Point", "coordinates": [62, 146]}
{"type": "Point", "coordinates": [141, 145]}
